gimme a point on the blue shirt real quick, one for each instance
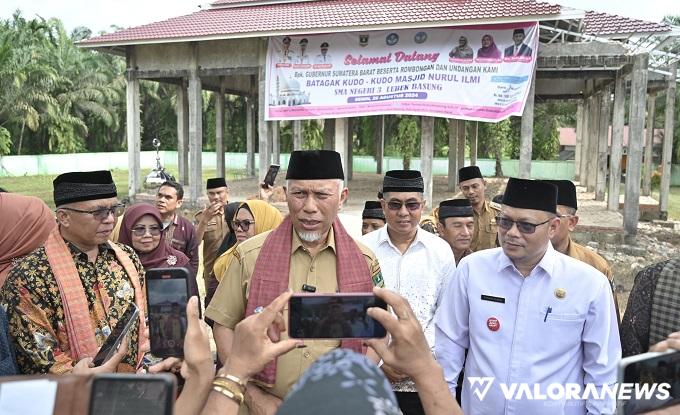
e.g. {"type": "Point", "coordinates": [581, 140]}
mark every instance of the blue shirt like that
{"type": "Point", "coordinates": [556, 326]}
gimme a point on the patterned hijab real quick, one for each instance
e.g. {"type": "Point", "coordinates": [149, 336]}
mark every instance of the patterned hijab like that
{"type": "Point", "coordinates": [341, 382]}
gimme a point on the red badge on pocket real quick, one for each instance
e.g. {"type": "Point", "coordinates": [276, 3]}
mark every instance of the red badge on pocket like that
{"type": "Point", "coordinates": [493, 324]}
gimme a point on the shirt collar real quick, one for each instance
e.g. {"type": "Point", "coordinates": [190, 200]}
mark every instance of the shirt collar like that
{"type": "Point", "coordinates": [384, 237]}
{"type": "Point", "coordinates": [297, 242]}
{"type": "Point", "coordinates": [547, 263]}
{"type": "Point", "coordinates": [77, 252]}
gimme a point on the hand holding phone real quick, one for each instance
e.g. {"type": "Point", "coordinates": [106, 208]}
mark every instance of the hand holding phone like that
{"type": "Point", "coordinates": [167, 292]}
{"type": "Point", "coordinates": [113, 341]}
{"type": "Point", "coordinates": [270, 177]}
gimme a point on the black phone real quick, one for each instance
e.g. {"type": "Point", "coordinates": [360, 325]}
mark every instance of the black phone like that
{"type": "Point", "coordinates": [659, 372]}
{"type": "Point", "coordinates": [123, 326]}
{"type": "Point", "coordinates": [167, 293]}
{"type": "Point", "coordinates": [334, 316]}
{"type": "Point", "coordinates": [122, 394]}
{"type": "Point", "coordinates": [271, 174]}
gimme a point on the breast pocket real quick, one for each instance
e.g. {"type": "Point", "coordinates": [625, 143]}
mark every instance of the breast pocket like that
{"type": "Point", "coordinates": [563, 330]}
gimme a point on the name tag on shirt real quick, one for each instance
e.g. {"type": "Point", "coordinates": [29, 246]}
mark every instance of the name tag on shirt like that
{"type": "Point", "coordinates": [493, 299]}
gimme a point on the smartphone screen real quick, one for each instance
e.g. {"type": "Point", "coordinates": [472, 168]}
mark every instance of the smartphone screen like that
{"type": "Point", "coordinates": [118, 394]}
{"type": "Point", "coordinates": [271, 174]}
{"type": "Point", "coordinates": [650, 369]}
{"type": "Point", "coordinates": [123, 326]}
{"type": "Point", "coordinates": [334, 316]}
{"type": "Point", "coordinates": [167, 295]}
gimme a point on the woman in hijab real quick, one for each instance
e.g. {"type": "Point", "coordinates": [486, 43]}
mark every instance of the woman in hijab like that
{"type": "Point", "coordinates": [26, 223]}
{"type": "Point", "coordinates": [462, 51]}
{"type": "Point", "coordinates": [142, 229]}
{"type": "Point", "coordinates": [229, 241]}
{"type": "Point", "coordinates": [488, 49]}
{"type": "Point", "coordinates": [252, 218]}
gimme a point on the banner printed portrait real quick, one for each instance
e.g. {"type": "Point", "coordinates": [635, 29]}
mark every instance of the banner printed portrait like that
{"type": "Point", "coordinates": [471, 72]}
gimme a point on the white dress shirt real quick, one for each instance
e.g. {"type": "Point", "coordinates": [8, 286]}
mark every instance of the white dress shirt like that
{"type": "Point", "coordinates": [558, 325]}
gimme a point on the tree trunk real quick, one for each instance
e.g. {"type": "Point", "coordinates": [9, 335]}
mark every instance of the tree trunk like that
{"type": "Point", "coordinates": [21, 138]}
{"type": "Point", "coordinates": [498, 155]}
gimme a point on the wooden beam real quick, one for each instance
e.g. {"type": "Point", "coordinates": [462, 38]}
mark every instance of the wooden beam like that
{"type": "Point", "coordinates": [668, 141]}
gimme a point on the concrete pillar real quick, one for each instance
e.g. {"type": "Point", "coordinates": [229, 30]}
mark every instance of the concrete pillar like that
{"type": "Point", "coordinates": [585, 140]}
{"type": "Point", "coordinates": [426, 155]}
{"type": "Point", "coordinates": [594, 131]}
{"type": "Point", "coordinates": [250, 136]}
{"type": "Point", "coordinates": [276, 142]}
{"type": "Point", "coordinates": [617, 143]}
{"type": "Point", "coordinates": [183, 134]}
{"type": "Point", "coordinates": [262, 127]}
{"type": "Point", "coordinates": [297, 135]}
{"type": "Point", "coordinates": [349, 173]}
{"type": "Point", "coordinates": [340, 142]}
{"type": "Point", "coordinates": [474, 139]}
{"type": "Point", "coordinates": [460, 151]}
{"type": "Point", "coordinates": [453, 155]}
{"type": "Point", "coordinates": [649, 166]}
{"type": "Point", "coordinates": [329, 134]}
{"type": "Point", "coordinates": [219, 130]}
{"type": "Point", "coordinates": [133, 124]}
{"type": "Point", "coordinates": [579, 141]}
{"type": "Point", "coordinates": [527, 133]}
{"type": "Point", "coordinates": [668, 142]}
{"type": "Point", "coordinates": [195, 128]}
{"type": "Point", "coordinates": [379, 143]}
{"type": "Point", "coordinates": [638, 94]}
{"type": "Point", "coordinates": [603, 144]}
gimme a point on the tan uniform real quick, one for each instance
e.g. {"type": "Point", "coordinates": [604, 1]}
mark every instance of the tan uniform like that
{"type": "Point", "coordinates": [215, 232]}
{"type": "Point", "coordinates": [486, 231]}
{"type": "Point", "coordinates": [228, 305]}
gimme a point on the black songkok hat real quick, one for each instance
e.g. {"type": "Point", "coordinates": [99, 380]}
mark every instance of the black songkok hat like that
{"type": "Point", "coordinates": [454, 208]}
{"type": "Point", "coordinates": [314, 165]}
{"type": "Point", "coordinates": [566, 193]}
{"type": "Point", "coordinates": [403, 181]}
{"type": "Point", "coordinates": [216, 182]}
{"type": "Point", "coordinates": [373, 210]}
{"type": "Point", "coordinates": [80, 186]}
{"type": "Point", "coordinates": [469, 172]}
{"type": "Point", "coordinates": [531, 194]}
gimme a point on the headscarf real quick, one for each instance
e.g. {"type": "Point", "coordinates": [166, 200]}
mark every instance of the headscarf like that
{"type": "Point", "coordinates": [229, 240]}
{"type": "Point", "coordinates": [266, 217]}
{"type": "Point", "coordinates": [341, 382]}
{"type": "Point", "coordinates": [161, 257]}
{"type": "Point", "coordinates": [26, 223]}
{"type": "Point", "coordinates": [491, 52]}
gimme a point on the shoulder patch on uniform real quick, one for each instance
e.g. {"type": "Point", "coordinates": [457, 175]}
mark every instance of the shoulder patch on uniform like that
{"type": "Point", "coordinates": [494, 205]}
{"type": "Point", "coordinates": [376, 275]}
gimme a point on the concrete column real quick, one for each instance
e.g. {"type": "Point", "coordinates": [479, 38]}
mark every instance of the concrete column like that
{"type": "Point", "coordinates": [329, 134]}
{"type": "Point", "coordinates": [426, 155]}
{"type": "Point", "coordinates": [250, 136]}
{"type": "Point", "coordinates": [340, 142]}
{"type": "Point", "coordinates": [453, 155]}
{"type": "Point", "coordinates": [183, 134]}
{"type": "Point", "coordinates": [579, 141]}
{"type": "Point", "coordinates": [473, 145]}
{"type": "Point", "coordinates": [219, 130]}
{"type": "Point", "coordinates": [649, 166]}
{"type": "Point", "coordinates": [262, 127]}
{"type": "Point", "coordinates": [297, 135]}
{"type": "Point", "coordinates": [527, 133]}
{"type": "Point", "coordinates": [603, 144]}
{"type": "Point", "coordinates": [133, 124]}
{"type": "Point", "coordinates": [349, 173]}
{"type": "Point", "coordinates": [379, 143]}
{"type": "Point", "coordinates": [594, 131]}
{"type": "Point", "coordinates": [617, 143]}
{"type": "Point", "coordinates": [276, 142]}
{"type": "Point", "coordinates": [638, 94]}
{"type": "Point", "coordinates": [583, 163]}
{"type": "Point", "coordinates": [460, 152]}
{"type": "Point", "coordinates": [668, 142]}
{"type": "Point", "coordinates": [195, 129]}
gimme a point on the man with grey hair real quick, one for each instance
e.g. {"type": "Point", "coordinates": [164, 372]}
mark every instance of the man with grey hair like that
{"type": "Point", "coordinates": [309, 251]}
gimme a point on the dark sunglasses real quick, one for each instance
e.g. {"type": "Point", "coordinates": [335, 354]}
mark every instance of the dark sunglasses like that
{"type": "Point", "coordinates": [142, 230]}
{"type": "Point", "coordinates": [524, 227]}
{"type": "Point", "coordinates": [397, 204]}
{"type": "Point", "coordinates": [102, 213]}
{"type": "Point", "coordinates": [244, 225]}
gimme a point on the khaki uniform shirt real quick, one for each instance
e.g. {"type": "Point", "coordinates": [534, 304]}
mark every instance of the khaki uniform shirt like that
{"type": "Point", "coordinates": [214, 234]}
{"type": "Point", "coordinates": [229, 303]}
{"type": "Point", "coordinates": [486, 231]}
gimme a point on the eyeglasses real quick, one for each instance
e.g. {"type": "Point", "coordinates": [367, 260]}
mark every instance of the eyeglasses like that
{"type": "Point", "coordinates": [397, 204]}
{"type": "Point", "coordinates": [523, 227]}
{"type": "Point", "coordinates": [244, 225]}
{"type": "Point", "coordinates": [102, 213]}
{"type": "Point", "coordinates": [142, 230]}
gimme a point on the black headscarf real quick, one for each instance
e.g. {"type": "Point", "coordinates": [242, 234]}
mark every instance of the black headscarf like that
{"type": "Point", "coordinates": [229, 240]}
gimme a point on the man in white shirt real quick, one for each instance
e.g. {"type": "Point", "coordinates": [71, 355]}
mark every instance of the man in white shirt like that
{"type": "Point", "coordinates": [323, 57]}
{"type": "Point", "coordinates": [528, 314]}
{"type": "Point", "coordinates": [415, 263]}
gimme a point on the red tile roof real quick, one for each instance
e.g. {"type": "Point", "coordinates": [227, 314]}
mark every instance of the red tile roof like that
{"type": "Point", "coordinates": [317, 15]}
{"type": "Point", "coordinates": [608, 24]}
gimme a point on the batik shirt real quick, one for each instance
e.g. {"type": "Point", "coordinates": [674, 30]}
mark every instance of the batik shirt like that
{"type": "Point", "coordinates": [36, 316]}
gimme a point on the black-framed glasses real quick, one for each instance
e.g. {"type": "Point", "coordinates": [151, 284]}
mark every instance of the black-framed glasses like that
{"type": "Point", "coordinates": [411, 206]}
{"type": "Point", "coordinates": [101, 213]}
{"type": "Point", "coordinates": [141, 230]}
{"type": "Point", "coordinates": [524, 227]}
{"type": "Point", "coordinates": [244, 225]}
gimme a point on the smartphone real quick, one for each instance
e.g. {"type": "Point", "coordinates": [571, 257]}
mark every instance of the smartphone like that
{"type": "Point", "coordinates": [271, 174]}
{"type": "Point", "coordinates": [122, 394]}
{"type": "Point", "coordinates": [651, 370]}
{"type": "Point", "coordinates": [167, 293]}
{"type": "Point", "coordinates": [110, 346]}
{"type": "Point", "coordinates": [334, 316]}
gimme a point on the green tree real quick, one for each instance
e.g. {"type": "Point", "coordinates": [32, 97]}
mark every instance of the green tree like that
{"type": "Point", "coordinates": [408, 134]}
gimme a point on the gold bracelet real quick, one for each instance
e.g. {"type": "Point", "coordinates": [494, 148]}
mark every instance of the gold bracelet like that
{"type": "Point", "coordinates": [233, 395]}
{"type": "Point", "coordinates": [242, 384]}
